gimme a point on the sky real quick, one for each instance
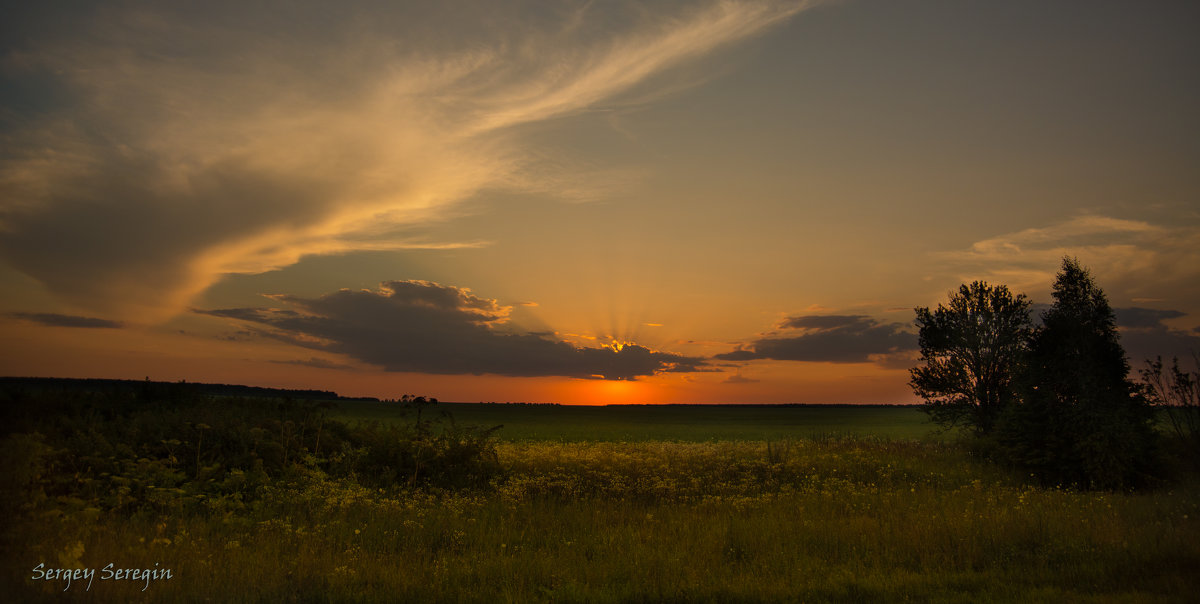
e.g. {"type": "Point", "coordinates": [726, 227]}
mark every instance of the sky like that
{"type": "Point", "coordinates": [581, 202]}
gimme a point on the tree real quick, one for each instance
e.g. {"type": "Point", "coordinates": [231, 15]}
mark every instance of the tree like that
{"type": "Point", "coordinates": [1082, 421]}
{"type": "Point", "coordinates": [973, 350]}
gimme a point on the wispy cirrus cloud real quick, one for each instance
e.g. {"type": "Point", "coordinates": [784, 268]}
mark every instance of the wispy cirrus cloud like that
{"type": "Point", "coordinates": [582, 77]}
{"type": "Point", "coordinates": [150, 148]}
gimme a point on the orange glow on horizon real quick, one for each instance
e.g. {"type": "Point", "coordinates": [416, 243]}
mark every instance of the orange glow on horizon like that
{"type": "Point", "coordinates": [607, 392]}
{"type": "Point", "coordinates": [615, 392]}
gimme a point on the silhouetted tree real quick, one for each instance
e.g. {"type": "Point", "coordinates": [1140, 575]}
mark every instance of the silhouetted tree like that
{"type": "Point", "coordinates": [972, 349]}
{"type": "Point", "coordinates": [1082, 422]}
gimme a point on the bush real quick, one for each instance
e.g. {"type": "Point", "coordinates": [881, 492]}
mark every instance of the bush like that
{"type": "Point", "coordinates": [1177, 392]}
{"type": "Point", "coordinates": [135, 452]}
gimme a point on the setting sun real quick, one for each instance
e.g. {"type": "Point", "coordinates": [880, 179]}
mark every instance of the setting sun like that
{"type": "Point", "coordinates": [617, 392]}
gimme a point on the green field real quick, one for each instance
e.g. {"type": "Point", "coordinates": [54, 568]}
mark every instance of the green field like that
{"type": "Point", "coordinates": [583, 504]}
{"type": "Point", "coordinates": [636, 423]}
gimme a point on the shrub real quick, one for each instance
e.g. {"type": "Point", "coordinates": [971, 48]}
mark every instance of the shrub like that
{"type": "Point", "coordinates": [1177, 392]}
{"type": "Point", "coordinates": [137, 452]}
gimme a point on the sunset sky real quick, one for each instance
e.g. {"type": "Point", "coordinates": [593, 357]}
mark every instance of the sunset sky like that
{"type": "Point", "coordinates": [581, 202]}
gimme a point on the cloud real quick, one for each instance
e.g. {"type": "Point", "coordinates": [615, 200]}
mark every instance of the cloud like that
{"type": "Point", "coordinates": [1141, 318]}
{"type": "Point", "coordinates": [1143, 333]}
{"type": "Point", "coordinates": [314, 362]}
{"type": "Point", "coordinates": [57, 320]}
{"type": "Point", "coordinates": [829, 339]}
{"type": "Point", "coordinates": [1081, 231]}
{"type": "Point", "coordinates": [151, 148]}
{"type": "Point", "coordinates": [419, 326]}
{"type": "Point", "coordinates": [861, 339]}
{"type": "Point", "coordinates": [1131, 259]}
{"type": "Point", "coordinates": [1145, 336]}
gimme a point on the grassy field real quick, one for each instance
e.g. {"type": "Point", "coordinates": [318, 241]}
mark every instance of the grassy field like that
{"type": "Point", "coordinates": [624, 505]}
{"type": "Point", "coordinates": [637, 423]}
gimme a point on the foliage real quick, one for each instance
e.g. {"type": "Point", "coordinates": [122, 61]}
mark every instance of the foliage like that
{"type": "Point", "coordinates": [1177, 392]}
{"type": "Point", "coordinates": [383, 455]}
{"type": "Point", "coordinates": [691, 423]}
{"type": "Point", "coordinates": [134, 450]}
{"type": "Point", "coordinates": [972, 350]}
{"type": "Point", "coordinates": [842, 519]}
{"type": "Point", "coordinates": [1082, 422]}
{"type": "Point", "coordinates": [832, 520]}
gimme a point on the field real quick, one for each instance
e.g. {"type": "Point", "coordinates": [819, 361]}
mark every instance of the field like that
{"type": "Point", "coordinates": [690, 423]}
{"type": "Point", "coordinates": [596, 505]}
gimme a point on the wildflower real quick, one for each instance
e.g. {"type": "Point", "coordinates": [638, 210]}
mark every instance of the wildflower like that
{"type": "Point", "coordinates": [69, 557]}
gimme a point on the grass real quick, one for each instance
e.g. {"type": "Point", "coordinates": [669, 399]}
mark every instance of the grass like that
{"type": "Point", "coordinates": [688, 423]}
{"type": "Point", "coordinates": [677, 512]}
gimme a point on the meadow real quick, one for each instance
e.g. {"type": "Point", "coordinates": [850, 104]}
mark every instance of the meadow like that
{"type": "Point", "coordinates": [601, 504]}
{"type": "Point", "coordinates": [690, 423]}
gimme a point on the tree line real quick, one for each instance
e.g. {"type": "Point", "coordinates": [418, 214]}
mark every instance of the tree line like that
{"type": "Point", "coordinates": [1054, 399]}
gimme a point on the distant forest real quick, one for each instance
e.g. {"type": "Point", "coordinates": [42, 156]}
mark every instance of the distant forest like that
{"type": "Point", "coordinates": [176, 388]}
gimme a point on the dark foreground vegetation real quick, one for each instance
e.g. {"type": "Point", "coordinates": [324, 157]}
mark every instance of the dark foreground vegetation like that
{"type": "Point", "coordinates": [136, 448]}
{"type": "Point", "coordinates": [1055, 399]}
{"type": "Point", "coordinates": [268, 500]}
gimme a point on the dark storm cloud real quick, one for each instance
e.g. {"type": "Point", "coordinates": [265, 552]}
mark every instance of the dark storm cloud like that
{"type": "Point", "coordinates": [314, 362]}
{"type": "Point", "coordinates": [1143, 333]}
{"type": "Point", "coordinates": [424, 327]}
{"type": "Point", "coordinates": [57, 320]}
{"type": "Point", "coordinates": [109, 232]}
{"type": "Point", "coordinates": [829, 339]}
{"type": "Point", "coordinates": [1144, 336]}
{"type": "Point", "coordinates": [1136, 318]}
